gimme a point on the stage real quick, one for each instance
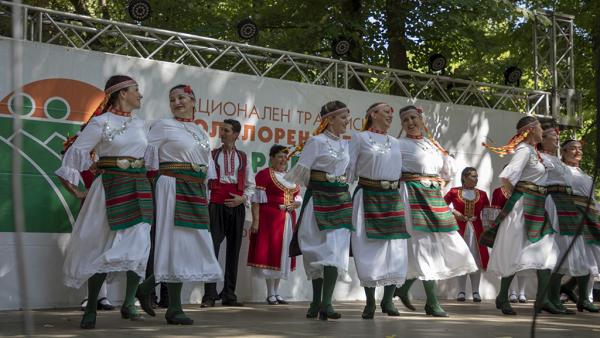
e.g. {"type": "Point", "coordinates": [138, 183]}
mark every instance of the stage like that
{"type": "Point", "coordinates": [262, 320]}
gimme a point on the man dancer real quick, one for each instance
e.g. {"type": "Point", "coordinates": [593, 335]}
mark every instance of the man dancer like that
{"type": "Point", "coordinates": [229, 194]}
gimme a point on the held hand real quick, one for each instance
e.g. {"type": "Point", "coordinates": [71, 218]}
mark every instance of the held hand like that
{"type": "Point", "coordinates": [235, 200]}
{"type": "Point", "coordinates": [254, 227]}
{"type": "Point", "coordinates": [296, 205]}
{"type": "Point", "coordinates": [80, 194]}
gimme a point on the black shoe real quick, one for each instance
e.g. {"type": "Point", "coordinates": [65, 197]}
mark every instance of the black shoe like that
{"type": "Point", "coordinates": [389, 309]}
{"type": "Point", "coordinates": [271, 300]}
{"type": "Point", "coordinates": [476, 297]}
{"type": "Point", "coordinates": [461, 297]}
{"type": "Point", "coordinates": [505, 307]}
{"type": "Point", "coordinates": [368, 312]}
{"type": "Point", "coordinates": [327, 312]}
{"type": "Point", "coordinates": [280, 300]}
{"type": "Point", "coordinates": [231, 303]}
{"type": "Point", "coordinates": [178, 318]}
{"type": "Point", "coordinates": [88, 321]}
{"type": "Point", "coordinates": [131, 313]}
{"type": "Point", "coordinates": [569, 293]}
{"type": "Point", "coordinates": [430, 311]}
{"type": "Point", "coordinates": [104, 306]}
{"type": "Point", "coordinates": [313, 311]}
{"type": "Point", "coordinates": [586, 305]}
{"type": "Point", "coordinates": [548, 307]}
{"type": "Point", "coordinates": [208, 302]}
{"type": "Point", "coordinates": [404, 299]}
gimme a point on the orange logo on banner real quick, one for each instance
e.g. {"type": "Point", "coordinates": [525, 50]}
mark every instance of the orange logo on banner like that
{"type": "Point", "coordinates": [56, 99]}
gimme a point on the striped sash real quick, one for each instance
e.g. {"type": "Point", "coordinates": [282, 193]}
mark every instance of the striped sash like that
{"type": "Point", "coordinates": [591, 231]}
{"type": "Point", "coordinates": [428, 209]}
{"type": "Point", "coordinates": [568, 215]}
{"type": "Point", "coordinates": [383, 213]}
{"type": "Point", "coordinates": [128, 197]}
{"type": "Point", "coordinates": [534, 214]}
{"type": "Point", "coordinates": [332, 204]}
{"type": "Point", "coordinates": [191, 204]}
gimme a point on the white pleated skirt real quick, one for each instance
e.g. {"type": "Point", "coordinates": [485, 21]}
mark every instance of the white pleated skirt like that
{"type": "Point", "coordinates": [181, 254]}
{"type": "Point", "coordinates": [435, 255]}
{"type": "Point", "coordinates": [95, 248]}
{"type": "Point", "coordinates": [512, 250]}
{"type": "Point", "coordinates": [379, 262]}
{"type": "Point", "coordinates": [322, 248]}
{"type": "Point", "coordinates": [470, 238]}
{"type": "Point", "coordinates": [286, 260]}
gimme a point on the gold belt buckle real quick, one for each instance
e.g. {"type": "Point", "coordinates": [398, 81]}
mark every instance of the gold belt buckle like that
{"type": "Point", "coordinates": [426, 182]}
{"type": "Point", "coordinates": [330, 178]}
{"type": "Point", "coordinates": [543, 190]}
{"type": "Point", "coordinates": [385, 184]}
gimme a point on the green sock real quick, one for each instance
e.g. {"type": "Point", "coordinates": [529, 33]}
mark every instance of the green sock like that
{"type": "Point", "coordinates": [94, 285]}
{"type": "Point", "coordinates": [133, 280]}
{"type": "Point", "coordinates": [403, 290]}
{"type": "Point", "coordinates": [543, 277]}
{"type": "Point", "coordinates": [329, 279]}
{"type": "Point", "coordinates": [504, 287]}
{"type": "Point", "coordinates": [570, 284]}
{"type": "Point", "coordinates": [429, 286]}
{"type": "Point", "coordinates": [174, 297]}
{"type": "Point", "coordinates": [554, 289]}
{"type": "Point", "coordinates": [317, 285]}
{"type": "Point", "coordinates": [370, 293]}
{"type": "Point", "coordinates": [582, 286]}
{"type": "Point", "coordinates": [388, 294]}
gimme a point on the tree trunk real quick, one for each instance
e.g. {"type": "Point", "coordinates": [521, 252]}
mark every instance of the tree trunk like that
{"type": "Point", "coordinates": [80, 7]}
{"type": "Point", "coordinates": [396, 14]}
{"type": "Point", "coordinates": [354, 23]}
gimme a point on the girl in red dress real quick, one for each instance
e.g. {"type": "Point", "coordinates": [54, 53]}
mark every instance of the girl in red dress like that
{"type": "Point", "coordinates": [273, 220]}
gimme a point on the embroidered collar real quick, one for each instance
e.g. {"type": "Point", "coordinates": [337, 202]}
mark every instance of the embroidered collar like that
{"type": "Point", "coordinates": [377, 131]}
{"type": "Point", "coordinates": [420, 137]}
{"type": "Point", "coordinates": [120, 112]}
{"type": "Point", "coordinates": [183, 119]}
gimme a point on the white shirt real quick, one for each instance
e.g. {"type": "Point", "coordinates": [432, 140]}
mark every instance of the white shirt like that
{"type": "Point", "coordinates": [374, 156]}
{"type": "Point", "coordinates": [420, 156]}
{"type": "Point", "coordinates": [525, 166]}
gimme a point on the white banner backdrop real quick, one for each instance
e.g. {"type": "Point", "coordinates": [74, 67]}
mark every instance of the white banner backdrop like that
{"type": "Point", "coordinates": [270, 110]}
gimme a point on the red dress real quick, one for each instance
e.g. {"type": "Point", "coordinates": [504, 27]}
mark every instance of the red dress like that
{"type": "Point", "coordinates": [266, 245]}
{"type": "Point", "coordinates": [470, 209]}
{"type": "Point", "coordinates": [499, 198]}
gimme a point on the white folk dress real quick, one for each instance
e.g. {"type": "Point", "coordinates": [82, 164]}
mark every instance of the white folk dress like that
{"type": "Point", "coordinates": [580, 261]}
{"type": "Point", "coordinates": [378, 262]}
{"type": "Point", "coordinates": [432, 255]}
{"type": "Point", "coordinates": [260, 196]}
{"type": "Point", "coordinates": [512, 251]}
{"type": "Point", "coordinates": [93, 246]}
{"type": "Point", "coordinates": [181, 254]}
{"type": "Point", "coordinates": [588, 257]}
{"type": "Point", "coordinates": [328, 247]}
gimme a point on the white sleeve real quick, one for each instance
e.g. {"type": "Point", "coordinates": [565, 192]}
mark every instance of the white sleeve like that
{"type": "Point", "coordinates": [354, 151]}
{"type": "Point", "coordinates": [300, 174]}
{"type": "Point", "coordinates": [260, 196]}
{"type": "Point", "coordinates": [78, 158]}
{"type": "Point", "coordinates": [448, 168]}
{"type": "Point", "coordinates": [156, 138]}
{"type": "Point", "coordinates": [514, 169]}
{"type": "Point", "coordinates": [250, 183]}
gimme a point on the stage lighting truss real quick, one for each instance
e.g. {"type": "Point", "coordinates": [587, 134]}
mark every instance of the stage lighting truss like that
{"type": "Point", "coordinates": [437, 63]}
{"type": "Point", "coordinates": [247, 29]}
{"type": "Point", "coordinates": [341, 46]}
{"type": "Point", "coordinates": [512, 75]}
{"type": "Point", "coordinates": [139, 10]}
{"type": "Point", "coordinates": [71, 30]}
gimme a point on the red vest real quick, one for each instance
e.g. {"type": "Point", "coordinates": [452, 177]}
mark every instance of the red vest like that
{"type": "Point", "coordinates": [219, 192]}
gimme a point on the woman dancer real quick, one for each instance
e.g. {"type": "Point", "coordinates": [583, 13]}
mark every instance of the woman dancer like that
{"type": "Point", "coordinates": [325, 222]}
{"type": "Point", "coordinates": [468, 202]}
{"type": "Point", "coordinates": [436, 250]}
{"type": "Point", "coordinates": [581, 184]}
{"type": "Point", "coordinates": [379, 243]}
{"type": "Point", "coordinates": [180, 150]}
{"type": "Point", "coordinates": [274, 205]}
{"type": "Point", "coordinates": [520, 237]}
{"type": "Point", "coordinates": [112, 231]}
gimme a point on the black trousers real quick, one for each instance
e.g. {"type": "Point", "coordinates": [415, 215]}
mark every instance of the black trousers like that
{"type": "Point", "coordinates": [226, 223]}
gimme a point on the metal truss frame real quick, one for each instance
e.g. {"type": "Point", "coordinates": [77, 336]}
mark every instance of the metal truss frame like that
{"type": "Point", "coordinates": [87, 33]}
